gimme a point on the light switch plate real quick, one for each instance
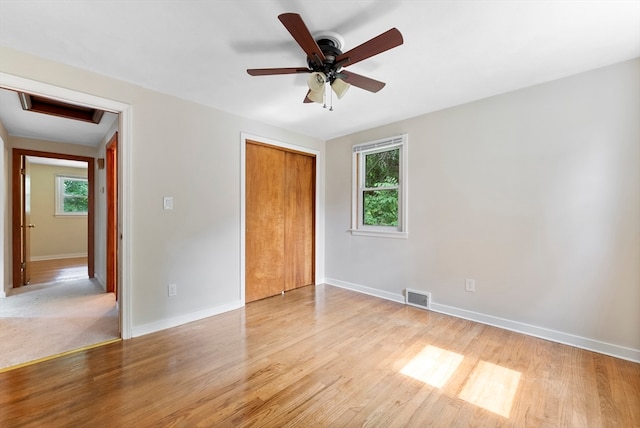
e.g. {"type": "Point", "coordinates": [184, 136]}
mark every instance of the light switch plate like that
{"type": "Point", "coordinates": [470, 284]}
{"type": "Point", "coordinates": [167, 203]}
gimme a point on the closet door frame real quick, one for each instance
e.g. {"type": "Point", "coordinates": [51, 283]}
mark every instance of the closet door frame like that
{"type": "Point", "coordinates": [318, 218]}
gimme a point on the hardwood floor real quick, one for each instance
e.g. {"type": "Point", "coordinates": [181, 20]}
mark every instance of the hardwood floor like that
{"type": "Point", "coordinates": [326, 357]}
{"type": "Point", "coordinates": [44, 271]}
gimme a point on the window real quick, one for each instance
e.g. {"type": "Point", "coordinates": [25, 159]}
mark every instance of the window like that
{"type": "Point", "coordinates": [380, 187]}
{"type": "Point", "coordinates": [72, 195]}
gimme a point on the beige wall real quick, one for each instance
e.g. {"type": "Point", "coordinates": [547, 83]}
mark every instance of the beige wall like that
{"type": "Point", "coordinates": [51, 146]}
{"type": "Point", "coordinates": [535, 194]}
{"type": "Point", "coordinates": [29, 144]}
{"type": "Point", "coordinates": [54, 237]}
{"type": "Point", "coordinates": [190, 152]}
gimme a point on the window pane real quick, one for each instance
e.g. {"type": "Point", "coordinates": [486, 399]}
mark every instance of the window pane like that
{"type": "Point", "coordinates": [381, 207]}
{"type": "Point", "coordinates": [76, 187]}
{"type": "Point", "coordinates": [382, 169]}
{"type": "Point", "coordinates": [75, 204]}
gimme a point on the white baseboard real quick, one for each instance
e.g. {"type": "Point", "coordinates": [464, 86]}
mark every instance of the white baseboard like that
{"type": "Point", "coordinates": [366, 290]}
{"type": "Point", "coordinates": [57, 256]}
{"type": "Point", "coordinates": [516, 326]}
{"type": "Point", "coordinates": [152, 327]}
{"type": "Point", "coordinates": [101, 281]}
{"type": "Point", "coordinates": [3, 294]}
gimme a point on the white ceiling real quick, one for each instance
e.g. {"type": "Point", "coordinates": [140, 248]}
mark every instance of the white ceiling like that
{"type": "Point", "coordinates": [453, 52]}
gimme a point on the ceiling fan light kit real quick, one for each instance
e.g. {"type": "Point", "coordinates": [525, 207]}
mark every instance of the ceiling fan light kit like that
{"type": "Point", "coordinates": [340, 87]}
{"type": "Point", "coordinates": [325, 60]}
{"type": "Point", "coordinates": [316, 81]}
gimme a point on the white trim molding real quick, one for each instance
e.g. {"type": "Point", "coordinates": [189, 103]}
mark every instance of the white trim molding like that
{"type": "Point", "coordinates": [358, 172]}
{"type": "Point", "coordinates": [165, 323]}
{"type": "Point", "coordinates": [398, 298]}
{"type": "Point", "coordinates": [57, 256]}
{"type": "Point", "coordinates": [124, 111]}
{"type": "Point", "coordinates": [515, 326]}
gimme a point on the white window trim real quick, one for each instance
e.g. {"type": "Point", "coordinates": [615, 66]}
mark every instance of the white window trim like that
{"type": "Point", "coordinates": [359, 150]}
{"type": "Point", "coordinates": [59, 204]}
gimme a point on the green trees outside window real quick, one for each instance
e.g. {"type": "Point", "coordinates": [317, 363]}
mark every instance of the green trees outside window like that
{"type": "Point", "coordinates": [380, 195]}
{"type": "Point", "coordinates": [76, 196]}
{"type": "Point", "coordinates": [72, 196]}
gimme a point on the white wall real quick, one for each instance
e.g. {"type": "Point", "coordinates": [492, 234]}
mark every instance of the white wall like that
{"type": "Point", "coordinates": [192, 153]}
{"type": "Point", "coordinates": [535, 194]}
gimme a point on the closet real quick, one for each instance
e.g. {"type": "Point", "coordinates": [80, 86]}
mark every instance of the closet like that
{"type": "Point", "coordinates": [279, 219]}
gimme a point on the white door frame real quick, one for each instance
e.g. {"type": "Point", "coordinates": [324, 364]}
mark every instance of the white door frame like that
{"type": "Point", "coordinates": [17, 83]}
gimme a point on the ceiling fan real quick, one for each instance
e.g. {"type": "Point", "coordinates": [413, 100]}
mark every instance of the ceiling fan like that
{"type": "Point", "coordinates": [325, 59]}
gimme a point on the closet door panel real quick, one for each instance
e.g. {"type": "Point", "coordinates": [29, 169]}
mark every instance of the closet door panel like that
{"type": "Point", "coordinates": [264, 222]}
{"type": "Point", "coordinates": [299, 220]}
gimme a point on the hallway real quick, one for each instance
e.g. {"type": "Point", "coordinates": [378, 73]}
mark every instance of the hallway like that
{"type": "Point", "coordinates": [41, 320]}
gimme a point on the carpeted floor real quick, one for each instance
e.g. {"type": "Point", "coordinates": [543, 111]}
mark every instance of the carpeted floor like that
{"type": "Point", "coordinates": [38, 321]}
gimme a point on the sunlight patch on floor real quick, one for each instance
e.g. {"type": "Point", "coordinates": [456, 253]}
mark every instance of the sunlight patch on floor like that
{"type": "Point", "coordinates": [66, 274]}
{"type": "Point", "coordinates": [491, 387]}
{"type": "Point", "coordinates": [433, 366]}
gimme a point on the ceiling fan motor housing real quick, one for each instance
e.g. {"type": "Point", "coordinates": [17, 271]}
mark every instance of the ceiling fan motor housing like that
{"type": "Point", "coordinates": [330, 46]}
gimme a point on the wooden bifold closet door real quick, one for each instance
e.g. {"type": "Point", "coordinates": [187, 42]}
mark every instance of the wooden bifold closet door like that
{"type": "Point", "coordinates": [280, 220]}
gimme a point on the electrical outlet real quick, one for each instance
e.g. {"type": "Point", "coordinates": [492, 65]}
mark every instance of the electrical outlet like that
{"type": "Point", "coordinates": [173, 290]}
{"type": "Point", "coordinates": [470, 284]}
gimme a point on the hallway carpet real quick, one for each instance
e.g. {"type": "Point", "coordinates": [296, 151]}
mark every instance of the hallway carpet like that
{"type": "Point", "coordinates": [37, 321]}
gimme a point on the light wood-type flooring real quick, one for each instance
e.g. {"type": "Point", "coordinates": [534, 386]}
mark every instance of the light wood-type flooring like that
{"type": "Point", "coordinates": [326, 357]}
{"type": "Point", "coordinates": [43, 271]}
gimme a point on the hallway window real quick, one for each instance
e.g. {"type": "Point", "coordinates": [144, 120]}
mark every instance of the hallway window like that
{"type": "Point", "coordinates": [72, 195]}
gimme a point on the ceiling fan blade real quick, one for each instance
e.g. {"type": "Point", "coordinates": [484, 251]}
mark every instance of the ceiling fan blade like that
{"type": "Point", "coordinates": [385, 41]}
{"type": "Point", "coordinates": [296, 26]}
{"type": "Point", "coordinates": [270, 71]}
{"type": "Point", "coordinates": [362, 82]}
{"type": "Point", "coordinates": [306, 97]}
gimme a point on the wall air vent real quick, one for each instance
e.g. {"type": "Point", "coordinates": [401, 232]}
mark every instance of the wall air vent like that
{"type": "Point", "coordinates": [419, 299]}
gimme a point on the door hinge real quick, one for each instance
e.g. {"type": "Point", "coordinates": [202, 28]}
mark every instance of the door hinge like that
{"type": "Point", "coordinates": [23, 266]}
{"type": "Point", "coordinates": [21, 171]}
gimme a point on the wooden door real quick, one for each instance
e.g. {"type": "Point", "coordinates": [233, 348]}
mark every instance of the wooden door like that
{"type": "Point", "coordinates": [280, 221]}
{"type": "Point", "coordinates": [112, 214]}
{"type": "Point", "coordinates": [264, 220]}
{"type": "Point", "coordinates": [299, 220]}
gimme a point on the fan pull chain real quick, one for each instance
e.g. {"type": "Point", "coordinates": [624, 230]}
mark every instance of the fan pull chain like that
{"type": "Point", "coordinates": [330, 97]}
{"type": "Point", "coordinates": [324, 95]}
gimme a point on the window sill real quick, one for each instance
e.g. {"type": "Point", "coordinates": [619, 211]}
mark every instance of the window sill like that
{"type": "Point", "coordinates": [379, 234]}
